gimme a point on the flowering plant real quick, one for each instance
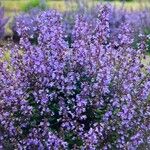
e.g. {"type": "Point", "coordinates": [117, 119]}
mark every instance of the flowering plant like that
{"type": "Point", "coordinates": [90, 94]}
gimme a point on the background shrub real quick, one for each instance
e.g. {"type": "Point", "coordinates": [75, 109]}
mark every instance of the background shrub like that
{"type": "Point", "coordinates": [3, 22]}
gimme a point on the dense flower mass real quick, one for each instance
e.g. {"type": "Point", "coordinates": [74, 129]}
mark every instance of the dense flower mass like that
{"type": "Point", "coordinates": [3, 21]}
{"type": "Point", "coordinates": [90, 93]}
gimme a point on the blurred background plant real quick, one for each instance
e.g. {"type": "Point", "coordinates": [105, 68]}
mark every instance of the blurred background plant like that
{"type": "Point", "coordinates": [3, 22]}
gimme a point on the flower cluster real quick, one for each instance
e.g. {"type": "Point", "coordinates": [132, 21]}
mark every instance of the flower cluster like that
{"type": "Point", "coordinates": [27, 22]}
{"type": "Point", "coordinates": [92, 93]}
{"type": "Point", "coordinates": [3, 21]}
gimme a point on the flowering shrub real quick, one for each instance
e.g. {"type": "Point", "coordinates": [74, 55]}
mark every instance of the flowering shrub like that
{"type": "Point", "coordinates": [2, 22]}
{"type": "Point", "coordinates": [92, 94]}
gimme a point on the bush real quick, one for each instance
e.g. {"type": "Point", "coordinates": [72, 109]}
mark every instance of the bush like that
{"type": "Point", "coordinates": [3, 22]}
{"type": "Point", "coordinates": [93, 94]}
